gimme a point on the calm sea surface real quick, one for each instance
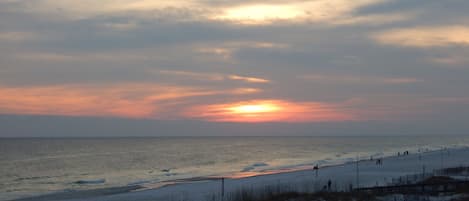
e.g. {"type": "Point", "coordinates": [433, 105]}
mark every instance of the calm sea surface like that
{"type": "Point", "coordinates": [37, 166]}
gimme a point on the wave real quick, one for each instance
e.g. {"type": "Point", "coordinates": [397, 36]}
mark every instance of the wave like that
{"type": "Point", "coordinates": [92, 181]}
{"type": "Point", "coordinates": [254, 166]}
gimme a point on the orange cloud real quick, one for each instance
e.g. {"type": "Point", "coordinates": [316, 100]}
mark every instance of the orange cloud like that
{"type": "Point", "coordinates": [425, 36]}
{"type": "Point", "coordinates": [247, 13]}
{"type": "Point", "coordinates": [248, 79]}
{"type": "Point", "coordinates": [270, 111]}
{"type": "Point", "coordinates": [120, 100]}
{"type": "Point", "coordinates": [245, 91]}
{"type": "Point", "coordinates": [327, 11]}
{"type": "Point", "coordinates": [259, 14]}
{"type": "Point", "coordinates": [212, 76]}
{"type": "Point", "coordinates": [130, 100]}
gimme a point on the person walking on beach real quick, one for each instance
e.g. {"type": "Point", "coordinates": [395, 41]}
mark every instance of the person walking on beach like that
{"type": "Point", "coordinates": [329, 184]}
{"type": "Point", "coordinates": [379, 161]}
{"type": "Point", "coordinates": [316, 169]}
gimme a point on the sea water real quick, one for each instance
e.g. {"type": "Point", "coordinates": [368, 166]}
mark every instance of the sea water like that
{"type": "Point", "coordinates": [35, 166]}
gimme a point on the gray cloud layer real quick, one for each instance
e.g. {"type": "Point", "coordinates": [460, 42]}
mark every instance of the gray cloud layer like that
{"type": "Point", "coordinates": [389, 60]}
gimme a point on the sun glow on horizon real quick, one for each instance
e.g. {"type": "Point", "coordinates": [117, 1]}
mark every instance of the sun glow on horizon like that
{"type": "Point", "coordinates": [269, 111]}
{"type": "Point", "coordinates": [255, 108]}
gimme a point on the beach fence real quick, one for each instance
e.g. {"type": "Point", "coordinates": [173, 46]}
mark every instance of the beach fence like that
{"type": "Point", "coordinates": [461, 171]}
{"type": "Point", "coordinates": [431, 187]}
{"type": "Point", "coordinates": [411, 179]}
{"type": "Point", "coordinates": [458, 172]}
{"type": "Point", "coordinates": [446, 180]}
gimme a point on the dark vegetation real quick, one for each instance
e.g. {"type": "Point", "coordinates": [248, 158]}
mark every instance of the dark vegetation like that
{"type": "Point", "coordinates": [439, 185]}
{"type": "Point", "coordinates": [293, 196]}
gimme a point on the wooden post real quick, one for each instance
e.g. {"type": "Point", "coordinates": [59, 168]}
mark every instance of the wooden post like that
{"type": "Point", "coordinates": [467, 173]}
{"type": "Point", "coordinates": [358, 180]}
{"type": "Point", "coordinates": [423, 172]}
{"type": "Point", "coordinates": [222, 188]}
{"type": "Point", "coordinates": [441, 160]}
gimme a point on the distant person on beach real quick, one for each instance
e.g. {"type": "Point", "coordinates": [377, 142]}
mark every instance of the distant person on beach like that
{"type": "Point", "coordinates": [329, 183]}
{"type": "Point", "coordinates": [379, 161]}
{"type": "Point", "coordinates": [316, 169]}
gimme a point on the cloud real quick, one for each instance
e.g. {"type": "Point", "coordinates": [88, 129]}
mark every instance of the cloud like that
{"type": "Point", "coordinates": [47, 56]}
{"type": "Point", "coordinates": [267, 45]}
{"type": "Point", "coordinates": [374, 19]}
{"type": "Point", "coordinates": [213, 76]}
{"type": "Point", "coordinates": [225, 53]}
{"type": "Point", "coordinates": [86, 9]}
{"type": "Point", "coordinates": [270, 111]}
{"type": "Point", "coordinates": [129, 100]}
{"type": "Point", "coordinates": [121, 26]}
{"type": "Point", "coordinates": [451, 60]}
{"type": "Point", "coordinates": [246, 91]}
{"type": "Point", "coordinates": [319, 11]}
{"type": "Point", "coordinates": [156, 101]}
{"type": "Point", "coordinates": [17, 36]}
{"type": "Point", "coordinates": [260, 14]}
{"type": "Point", "coordinates": [451, 100]}
{"type": "Point", "coordinates": [194, 75]}
{"type": "Point", "coordinates": [424, 37]}
{"type": "Point", "coordinates": [351, 79]}
{"type": "Point", "coordinates": [237, 12]}
{"type": "Point", "coordinates": [110, 56]}
{"type": "Point", "coordinates": [248, 79]}
{"type": "Point", "coordinates": [226, 50]}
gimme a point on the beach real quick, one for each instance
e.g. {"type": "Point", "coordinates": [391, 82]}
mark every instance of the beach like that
{"type": "Point", "coordinates": [342, 177]}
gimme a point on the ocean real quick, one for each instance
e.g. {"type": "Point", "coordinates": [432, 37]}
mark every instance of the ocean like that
{"type": "Point", "coordinates": [35, 166]}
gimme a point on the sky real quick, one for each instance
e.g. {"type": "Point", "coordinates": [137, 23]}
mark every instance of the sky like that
{"type": "Point", "coordinates": [233, 67]}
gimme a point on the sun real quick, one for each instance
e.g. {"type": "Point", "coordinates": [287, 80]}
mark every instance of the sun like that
{"type": "Point", "coordinates": [257, 111]}
{"type": "Point", "coordinates": [254, 108]}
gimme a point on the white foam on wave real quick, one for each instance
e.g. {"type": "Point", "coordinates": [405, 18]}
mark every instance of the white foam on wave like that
{"type": "Point", "coordinates": [254, 166]}
{"type": "Point", "coordinates": [142, 182]}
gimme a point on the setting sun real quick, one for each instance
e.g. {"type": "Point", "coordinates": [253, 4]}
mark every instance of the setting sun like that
{"type": "Point", "coordinates": [269, 111]}
{"type": "Point", "coordinates": [254, 109]}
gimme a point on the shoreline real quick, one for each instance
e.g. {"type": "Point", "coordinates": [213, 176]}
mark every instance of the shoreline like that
{"type": "Point", "coordinates": [211, 184]}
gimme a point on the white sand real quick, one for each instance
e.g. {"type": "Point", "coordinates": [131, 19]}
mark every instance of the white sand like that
{"type": "Point", "coordinates": [341, 176]}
